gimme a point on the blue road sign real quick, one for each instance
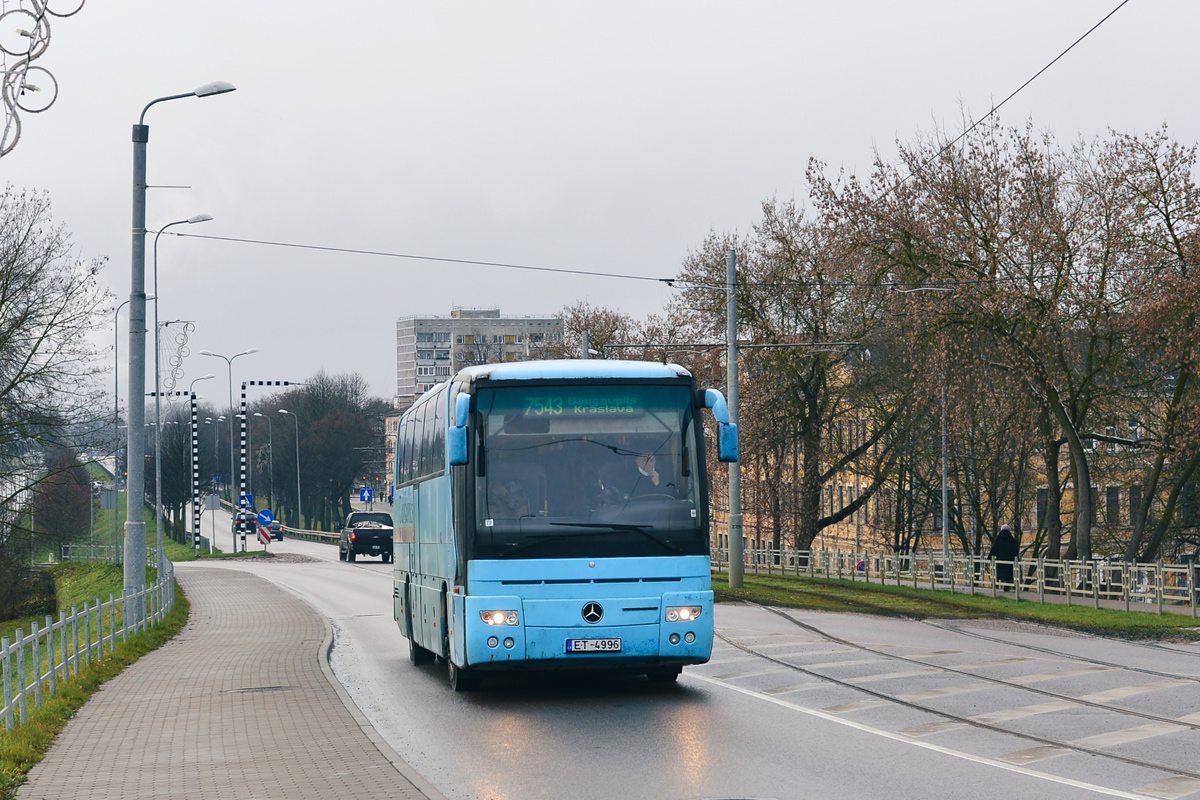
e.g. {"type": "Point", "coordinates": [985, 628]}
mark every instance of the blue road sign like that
{"type": "Point", "coordinates": [265, 517]}
{"type": "Point", "coordinates": [365, 496]}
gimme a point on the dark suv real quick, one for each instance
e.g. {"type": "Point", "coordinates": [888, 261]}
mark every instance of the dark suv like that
{"type": "Point", "coordinates": [247, 518]}
{"type": "Point", "coordinates": [367, 533]}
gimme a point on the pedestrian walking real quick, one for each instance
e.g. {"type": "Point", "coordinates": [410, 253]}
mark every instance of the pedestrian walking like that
{"type": "Point", "coordinates": [1004, 552]}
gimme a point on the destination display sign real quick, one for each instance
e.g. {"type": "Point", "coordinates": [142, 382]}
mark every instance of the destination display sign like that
{"type": "Point", "coordinates": [569, 403]}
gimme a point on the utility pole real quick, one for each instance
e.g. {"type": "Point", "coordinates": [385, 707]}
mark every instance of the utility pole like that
{"type": "Point", "coordinates": [736, 567]}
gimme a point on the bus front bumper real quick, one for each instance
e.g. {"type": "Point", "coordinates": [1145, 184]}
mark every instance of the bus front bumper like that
{"type": "Point", "coordinates": [646, 640]}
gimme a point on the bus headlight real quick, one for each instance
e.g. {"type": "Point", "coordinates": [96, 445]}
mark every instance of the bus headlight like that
{"type": "Point", "coordinates": [683, 613]}
{"type": "Point", "coordinates": [500, 617]}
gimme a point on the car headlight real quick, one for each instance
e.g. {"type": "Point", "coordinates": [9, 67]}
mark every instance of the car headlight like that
{"type": "Point", "coordinates": [500, 617]}
{"type": "Point", "coordinates": [683, 613]}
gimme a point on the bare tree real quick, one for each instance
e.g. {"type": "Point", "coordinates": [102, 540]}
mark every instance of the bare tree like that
{"type": "Point", "coordinates": [49, 303]}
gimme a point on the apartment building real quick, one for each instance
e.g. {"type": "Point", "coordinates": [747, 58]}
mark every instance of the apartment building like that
{"type": "Point", "coordinates": [429, 349]}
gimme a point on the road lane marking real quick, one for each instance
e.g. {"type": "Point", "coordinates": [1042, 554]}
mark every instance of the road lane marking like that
{"type": "Point", "coordinates": [997, 663]}
{"type": "Point", "coordinates": [859, 705]}
{"type": "Point", "coordinates": [945, 691]}
{"type": "Point", "coordinates": [1034, 754]}
{"type": "Point", "coordinates": [932, 728]}
{"type": "Point", "coordinates": [888, 676]}
{"type": "Point", "coordinates": [1114, 738]}
{"type": "Point", "coordinates": [1122, 692]}
{"type": "Point", "coordinates": [1171, 788]}
{"type": "Point", "coordinates": [1027, 711]}
{"type": "Point", "coordinates": [908, 740]}
{"type": "Point", "coordinates": [1066, 673]}
{"type": "Point", "coordinates": [797, 687]}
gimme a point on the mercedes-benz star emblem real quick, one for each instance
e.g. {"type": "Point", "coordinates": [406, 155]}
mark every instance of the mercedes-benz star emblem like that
{"type": "Point", "coordinates": [593, 613]}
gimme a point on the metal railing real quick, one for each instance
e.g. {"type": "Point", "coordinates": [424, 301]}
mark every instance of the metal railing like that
{"type": "Point", "coordinates": [1113, 583]}
{"type": "Point", "coordinates": [36, 666]}
{"type": "Point", "coordinates": [102, 553]}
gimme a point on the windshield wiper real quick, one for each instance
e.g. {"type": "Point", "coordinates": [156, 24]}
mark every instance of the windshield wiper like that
{"type": "Point", "coordinates": [597, 529]}
{"type": "Point", "coordinates": [617, 527]}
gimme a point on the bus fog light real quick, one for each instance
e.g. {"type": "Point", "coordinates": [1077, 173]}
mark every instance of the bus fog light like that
{"type": "Point", "coordinates": [493, 641]}
{"type": "Point", "coordinates": [500, 617]}
{"type": "Point", "coordinates": [509, 643]}
{"type": "Point", "coordinates": [682, 613]}
{"type": "Point", "coordinates": [674, 638]}
{"type": "Point", "coordinates": [689, 637]}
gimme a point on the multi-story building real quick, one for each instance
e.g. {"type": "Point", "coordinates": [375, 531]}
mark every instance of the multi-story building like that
{"type": "Point", "coordinates": [429, 349]}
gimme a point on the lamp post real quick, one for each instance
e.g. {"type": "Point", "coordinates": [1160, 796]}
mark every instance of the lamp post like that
{"type": "Point", "coordinates": [217, 451]}
{"type": "Point", "coordinates": [736, 567]}
{"type": "Point", "coordinates": [135, 523]}
{"type": "Point", "coordinates": [229, 364]}
{"type": "Point", "coordinates": [270, 461]}
{"type": "Point", "coordinates": [158, 510]}
{"type": "Point", "coordinates": [299, 510]}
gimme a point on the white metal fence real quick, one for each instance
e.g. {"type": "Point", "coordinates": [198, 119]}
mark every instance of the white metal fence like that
{"type": "Point", "coordinates": [1078, 582]}
{"type": "Point", "coordinates": [36, 665]}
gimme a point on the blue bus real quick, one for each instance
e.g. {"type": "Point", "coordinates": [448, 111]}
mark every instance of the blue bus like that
{"type": "Point", "coordinates": [554, 514]}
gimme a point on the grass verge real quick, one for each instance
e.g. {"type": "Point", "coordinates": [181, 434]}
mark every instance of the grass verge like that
{"type": "Point", "coordinates": [820, 594]}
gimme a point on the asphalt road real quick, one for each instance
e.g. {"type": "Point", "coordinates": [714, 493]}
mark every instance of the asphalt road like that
{"type": "Point", "coordinates": [793, 705]}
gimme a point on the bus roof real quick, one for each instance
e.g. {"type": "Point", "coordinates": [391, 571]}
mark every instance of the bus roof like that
{"type": "Point", "coordinates": [574, 368]}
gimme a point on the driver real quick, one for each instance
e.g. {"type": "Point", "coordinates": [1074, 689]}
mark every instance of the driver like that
{"type": "Point", "coordinates": [619, 483]}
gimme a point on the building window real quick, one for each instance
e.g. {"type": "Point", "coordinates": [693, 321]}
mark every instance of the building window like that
{"type": "Point", "coordinates": [1043, 496]}
{"type": "Point", "coordinates": [1112, 505]}
{"type": "Point", "coordinates": [1135, 505]}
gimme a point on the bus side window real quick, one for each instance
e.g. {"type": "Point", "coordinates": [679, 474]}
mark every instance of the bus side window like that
{"type": "Point", "coordinates": [439, 431]}
{"type": "Point", "coordinates": [427, 438]}
{"type": "Point", "coordinates": [401, 453]}
{"type": "Point", "coordinates": [414, 449]}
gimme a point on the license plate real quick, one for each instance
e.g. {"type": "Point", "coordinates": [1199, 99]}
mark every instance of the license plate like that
{"type": "Point", "coordinates": [593, 645]}
{"type": "Point", "coordinates": [374, 547]}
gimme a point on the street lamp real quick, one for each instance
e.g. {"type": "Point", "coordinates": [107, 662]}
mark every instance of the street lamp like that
{"type": "Point", "coordinates": [117, 422]}
{"type": "Point", "coordinates": [158, 392]}
{"type": "Point", "coordinates": [135, 524]}
{"type": "Point", "coordinates": [270, 461]}
{"type": "Point", "coordinates": [229, 363]}
{"type": "Point", "coordinates": [299, 510]}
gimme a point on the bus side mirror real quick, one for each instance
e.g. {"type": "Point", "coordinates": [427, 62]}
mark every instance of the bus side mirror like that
{"type": "Point", "coordinates": [456, 435]}
{"type": "Point", "coordinates": [727, 432]}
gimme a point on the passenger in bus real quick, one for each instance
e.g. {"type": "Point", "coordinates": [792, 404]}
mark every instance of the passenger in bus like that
{"type": "Point", "coordinates": [507, 499]}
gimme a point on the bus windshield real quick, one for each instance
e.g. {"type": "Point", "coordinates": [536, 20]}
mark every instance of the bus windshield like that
{"type": "Point", "coordinates": [587, 470]}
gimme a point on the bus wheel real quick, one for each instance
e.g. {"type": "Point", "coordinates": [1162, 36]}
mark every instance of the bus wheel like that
{"type": "Point", "coordinates": [462, 679]}
{"type": "Point", "coordinates": [666, 675]}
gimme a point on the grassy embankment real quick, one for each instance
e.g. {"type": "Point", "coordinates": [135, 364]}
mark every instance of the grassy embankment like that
{"type": "Point", "coordinates": [819, 594]}
{"type": "Point", "coordinates": [75, 584]}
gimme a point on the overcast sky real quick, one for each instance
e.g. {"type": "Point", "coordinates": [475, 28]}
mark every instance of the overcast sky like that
{"type": "Point", "coordinates": [609, 136]}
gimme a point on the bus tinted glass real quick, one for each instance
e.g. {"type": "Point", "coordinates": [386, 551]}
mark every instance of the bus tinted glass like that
{"type": "Point", "coordinates": [587, 470]}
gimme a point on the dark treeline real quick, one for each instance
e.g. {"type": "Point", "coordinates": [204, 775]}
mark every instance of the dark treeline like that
{"type": "Point", "coordinates": [341, 430]}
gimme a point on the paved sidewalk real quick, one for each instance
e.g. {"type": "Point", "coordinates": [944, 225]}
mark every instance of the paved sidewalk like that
{"type": "Point", "coordinates": [241, 704]}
